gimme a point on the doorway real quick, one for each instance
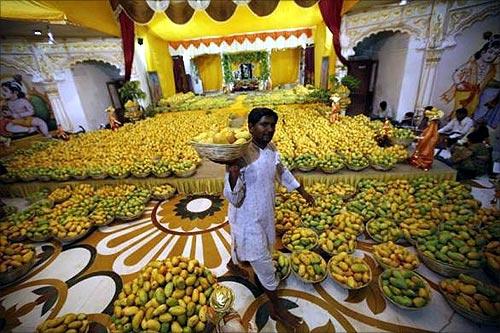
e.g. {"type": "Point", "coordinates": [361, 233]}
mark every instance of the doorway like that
{"type": "Point", "coordinates": [362, 97]}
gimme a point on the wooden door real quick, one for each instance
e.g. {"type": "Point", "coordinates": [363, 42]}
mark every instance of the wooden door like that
{"type": "Point", "coordinates": [362, 97]}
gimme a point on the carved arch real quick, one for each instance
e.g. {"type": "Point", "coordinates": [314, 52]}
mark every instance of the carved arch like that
{"type": "Point", "coordinates": [107, 60]}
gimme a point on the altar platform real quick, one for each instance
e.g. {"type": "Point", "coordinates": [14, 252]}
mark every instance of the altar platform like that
{"type": "Point", "coordinates": [209, 178]}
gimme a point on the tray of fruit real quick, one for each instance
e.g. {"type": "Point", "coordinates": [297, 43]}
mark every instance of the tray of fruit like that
{"type": "Point", "coordinates": [74, 238]}
{"type": "Point", "coordinates": [335, 241]}
{"type": "Point", "coordinates": [306, 162]}
{"type": "Point", "coordinates": [17, 261]}
{"type": "Point", "coordinates": [349, 271]}
{"type": "Point", "coordinates": [331, 164]}
{"type": "Point", "coordinates": [449, 256]}
{"type": "Point", "coordinates": [8, 178]}
{"type": "Point", "coordinates": [119, 174]}
{"type": "Point", "coordinates": [405, 289]}
{"type": "Point", "coordinates": [39, 231]}
{"type": "Point", "coordinates": [356, 161]}
{"type": "Point", "coordinates": [161, 169]}
{"type": "Point", "coordinates": [492, 255]}
{"type": "Point", "coordinates": [298, 239]}
{"type": "Point", "coordinates": [282, 265]}
{"type": "Point", "coordinates": [382, 230]}
{"type": "Point", "coordinates": [70, 322]}
{"type": "Point", "coordinates": [414, 228]}
{"type": "Point", "coordinates": [132, 214]}
{"type": "Point", "coordinates": [80, 174]}
{"type": "Point", "coordinates": [308, 266]}
{"type": "Point", "coordinates": [162, 192]}
{"type": "Point", "coordinates": [225, 145]}
{"type": "Point", "coordinates": [349, 222]}
{"type": "Point", "coordinates": [166, 282]}
{"type": "Point", "coordinates": [186, 172]}
{"type": "Point", "coordinates": [60, 194]}
{"type": "Point", "coordinates": [286, 219]}
{"type": "Point", "coordinates": [390, 255]}
{"type": "Point", "coordinates": [98, 174]}
{"type": "Point", "coordinates": [472, 298]}
{"type": "Point", "coordinates": [100, 217]}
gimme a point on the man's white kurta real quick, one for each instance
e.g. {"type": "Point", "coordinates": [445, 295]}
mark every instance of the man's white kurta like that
{"type": "Point", "coordinates": [251, 208]}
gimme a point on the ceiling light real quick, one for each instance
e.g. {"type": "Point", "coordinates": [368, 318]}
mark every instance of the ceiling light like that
{"type": "Point", "coordinates": [50, 36]}
{"type": "Point", "coordinates": [37, 32]}
{"type": "Point", "coordinates": [403, 2]}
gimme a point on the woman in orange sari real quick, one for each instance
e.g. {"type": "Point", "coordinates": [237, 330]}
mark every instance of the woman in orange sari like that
{"type": "Point", "coordinates": [424, 154]}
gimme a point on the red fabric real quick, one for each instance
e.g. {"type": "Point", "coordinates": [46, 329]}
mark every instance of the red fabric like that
{"type": "Point", "coordinates": [331, 11]}
{"type": "Point", "coordinates": [128, 37]}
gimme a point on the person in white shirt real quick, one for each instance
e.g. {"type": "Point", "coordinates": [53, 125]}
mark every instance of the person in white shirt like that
{"type": "Point", "coordinates": [457, 128]}
{"type": "Point", "coordinates": [249, 186]}
{"type": "Point", "coordinates": [384, 111]}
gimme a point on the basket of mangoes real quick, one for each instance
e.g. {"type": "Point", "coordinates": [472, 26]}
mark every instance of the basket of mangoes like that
{"type": "Point", "coordinates": [390, 255]}
{"type": "Point", "coordinates": [405, 289]}
{"type": "Point", "coordinates": [349, 271]}
{"type": "Point", "coordinates": [308, 266]}
{"type": "Point", "coordinates": [299, 239]}
{"type": "Point", "coordinates": [473, 299]}
{"type": "Point", "coordinates": [282, 265]}
{"type": "Point", "coordinates": [70, 322]}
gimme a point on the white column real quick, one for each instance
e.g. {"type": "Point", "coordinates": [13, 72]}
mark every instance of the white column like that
{"type": "Point", "coordinates": [56, 103]}
{"type": "Point", "coordinates": [139, 73]}
{"type": "Point", "coordinates": [70, 98]}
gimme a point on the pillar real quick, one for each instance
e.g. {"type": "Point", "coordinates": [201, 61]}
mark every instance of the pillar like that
{"type": "Point", "coordinates": [56, 103]}
{"type": "Point", "coordinates": [428, 77]}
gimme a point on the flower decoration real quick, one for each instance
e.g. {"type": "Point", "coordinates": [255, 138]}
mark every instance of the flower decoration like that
{"type": "Point", "coordinates": [434, 114]}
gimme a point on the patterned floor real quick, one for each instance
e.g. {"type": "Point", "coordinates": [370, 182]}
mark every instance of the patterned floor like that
{"type": "Point", "coordinates": [87, 276]}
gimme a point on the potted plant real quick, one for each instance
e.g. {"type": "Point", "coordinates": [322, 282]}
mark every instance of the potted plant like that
{"type": "Point", "coordinates": [130, 93]}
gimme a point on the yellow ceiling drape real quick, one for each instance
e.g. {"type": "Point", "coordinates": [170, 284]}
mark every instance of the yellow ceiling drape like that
{"type": "Point", "coordinates": [29, 10]}
{"type": "Point", "coordinates": [285, 66]}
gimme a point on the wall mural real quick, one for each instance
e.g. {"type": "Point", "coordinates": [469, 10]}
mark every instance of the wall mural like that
{"type": "Point", "coordinates": [476, 83]}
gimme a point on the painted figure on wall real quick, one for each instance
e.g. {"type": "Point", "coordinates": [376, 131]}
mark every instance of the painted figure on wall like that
{"type": "Point", "coordinates": [471, 78]}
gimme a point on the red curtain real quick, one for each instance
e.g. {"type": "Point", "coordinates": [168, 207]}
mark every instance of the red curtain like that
{"type": "Point", "coordinates": [331, 11]}
{"type": "Point", "coordinates": [128, 37]}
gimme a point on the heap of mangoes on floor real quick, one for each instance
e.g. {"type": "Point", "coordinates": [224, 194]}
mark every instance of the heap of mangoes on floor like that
{"type": "Point", "coordinates": [160, 146]}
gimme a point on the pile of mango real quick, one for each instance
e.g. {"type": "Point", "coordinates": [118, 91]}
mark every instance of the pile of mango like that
{"type": "Point", "coordinates": [330, 163]}
{"type": "Point", "coordinates": [405, 288]}
{"type": "Point", "coordinates": [14, 255]}
{"type": "Point", "coordinates": [351, 272]}
{"type": "Point", "coordinates": [392, 255]}
{"type": "Point", "coordinates": [309, 266]}
{"type": "Point", "coordinates": [383, 158]}
{"type": "Point", "coordinates": [69, 323]}
{"type": "Point", "coordinates": [356, 161]}
{"type": "Point", "coordinates": [286, 219]}
{"type": "Point", "coordinates": [169, 295]}
{"type": "Point", "coordinates": [282, 264]}
{"type": "Point", "coordinates": [60, 194]}
{"type": "Point", "coordinates": [349, 222]}
{"type": "Point", "coordinates": [448, 249]}
{"type": "Point", "coordinates": [383, 230]}
{"type": "Point", "coordinates": [72, 228]}
{"type": "Point", "coordinates": [413, 228]}
{"type": "Point", "coordinates": [316, 218]}
{"type": "Point", "coordinates": [306, 162]}
{"type": "Point", "coordinates": [39, 229]}
{"type": "Point", "coordinates": [492, 254]}
{"type": "Point", "coordinates": [335, 241]}
{"type": "Point", "coordinates": [162, 191]}
{"type": "Point", "coordinates": [299, 239]}
{"type": "Point", "coordinates": [472, 295]}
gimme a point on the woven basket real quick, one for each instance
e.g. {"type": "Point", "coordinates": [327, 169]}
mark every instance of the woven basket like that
{"type": "Point", "coordinates": [411, 308]}
{"type": "Point", "coordinates": [344, 285]}
{"type": "Point", "coordinates": [122, 176]}
{"type": "Point", "coordinates": [331, 170]}
{"type": "Point", "coordinates": [163, 197]}
{"type": "Point", "coordinates": [140, 174]}
{"type": "Point", "coordinates": [220, 152]}
{"type": "Point", "coordinates": [60, 178]}
{"type": "Point", "coordinates": [309, 281]}
{"type": "Point", "coordinates": [27, 178]}
{"type": "Point", "coordinates": [381, 168]}
{"type": "Point", "coordinates": [133, 217]}
{"type": "Point", "coordinates": [44, 178]}
{"type": "Point", "coordinates": [162, 175]}
{"type": "Point", "coordinates": [70, 240]}
{"type": "Point", "coordinates": [99, 175]}
{"type": "Point", "coordinates": [81, 177]}
{"type": "Point", "coordinates": [7, 179]}
{"type": "Point", "coordinates": [476, 317]}
{"type": "Point", "coordinates": [17, 273]}
{"type": "Point", "coordinates": [444, 269]}
{"type": "Point", "coordinates": [185, 174]}
{"type": "Point", "coordinates": [375, 239]}
{"type": "Point", "coordinates": [306, 169]}
{"type": "Point", "coordinates": [356, 168]}
{"type": "Point", "coordinates": [310, 247]}
{"type": "Point", "coordinates": [108, 221]}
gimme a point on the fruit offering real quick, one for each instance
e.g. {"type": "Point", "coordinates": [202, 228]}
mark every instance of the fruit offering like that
{"type": "Point", "coordinates": [15, 231]}
{"type": "Point", "coordinates": [308, 266]}
{"type": "Point", "coordinates": [130, 209]}
{"type": "Point", "coordinates": [472, 295]}
{"type": "Point", "coordinates": [162, 192]}
{"type": "Point", "coordinates": [446, 248]}
{"type": "Point", "coordinates": [225, 135]}
{"type": "Point", "coordinates": [286, 219]}
{"type": "Point", "coordinates": [300, 239]}
{"type": "Point", "coordinates": [330, 163]}
{"type": "Point", "coordinates": [399, 151]}
{"type": "Point", "coordinates": [487, 216]}
{"type": "Point", "coordinates": [60, 194]}
{"type": "Point", "coordinates": [281, 264]}
{"type": "Point", "coordinates": [38, 195]}
{"type": "Point", "coordinates": [405, 288]}
{"type": "Point", "coordinates": [70, 323]}
{"type": "Point", "coordinates": [492, 254]}
{"type": "Point", "coordinates": [39, 230]}
{"type": "Point", "coordinates": [414, 228]}
{"type": "Point", "coordinates": [382, 159]}
{"type": "Point", "coordinates": [383, 230]}
{"type": "Point", "coordinates": [141, 168]}
{"type": "Point", "coordinates": [466, 233]}
{"type": "Point", "coordinates": [306, 162]}
{"type": "Point", "coordinates": [161, 169]}
{"type": "Point", "coordinates": [356, 161]}
{"type": "Point", "coordinates": [168, 295]}
{"type": "Point", "coordinates": [349, 222]}
{"type": "Point", "coordinates": [72, 228]}
{"type": "Point", "coordinates": [390, 255]}
{"type": "Point", "coordinates": [14, 255]}
{"type": "Point", "coordinates": [351, 272]}
{"type": "Point", "coordinates": [316, 219]}
{"type": "Point", "coordinates": [335, 241]}
{"type": "Point", "coordinates": [101, 217]}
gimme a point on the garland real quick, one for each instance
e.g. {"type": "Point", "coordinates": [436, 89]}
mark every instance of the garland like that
{"type": "Point", "coordinates": [261, 57]}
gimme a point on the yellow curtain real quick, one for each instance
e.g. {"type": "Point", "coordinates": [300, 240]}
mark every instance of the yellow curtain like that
{"type": "Point", "coordinates": [158, 59]}
{"type": "Point", "coordinates": [210, 71]}
{"type": "Point", "coordinates": [30, 11]}
{"type": "Point", "coordinates": [284, 66]}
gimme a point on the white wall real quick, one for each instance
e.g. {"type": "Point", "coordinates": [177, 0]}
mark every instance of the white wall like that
{"type": "Point", "coordinates": [90, 81]}
{"type": "Point", "coordinates": [139, 73]}
{"type": "Point", "coordinates": [468, 42]}
{"type": "Point", "coordinates": [392, 53]}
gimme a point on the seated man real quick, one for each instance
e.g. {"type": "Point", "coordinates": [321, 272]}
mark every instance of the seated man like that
{"type": "Point", "coordinates": [474, 159]}
{"type": "Point", "coordinates": [457, 128]}
{"type": "Point", "coordinates": [383, 112]}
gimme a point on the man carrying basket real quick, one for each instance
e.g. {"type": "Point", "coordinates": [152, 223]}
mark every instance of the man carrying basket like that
{"type": "Point", "coordinates": [249, 187]}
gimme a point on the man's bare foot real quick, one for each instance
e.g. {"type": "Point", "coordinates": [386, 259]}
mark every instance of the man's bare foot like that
{"type": "Point", "coordinates": [285, 317]}
{"type": "Point", "coordinates": [237, 270]}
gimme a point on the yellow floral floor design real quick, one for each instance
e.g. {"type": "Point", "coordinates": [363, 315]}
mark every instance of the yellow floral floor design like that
{"type": "Point", "coordinates": [87, 277]}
